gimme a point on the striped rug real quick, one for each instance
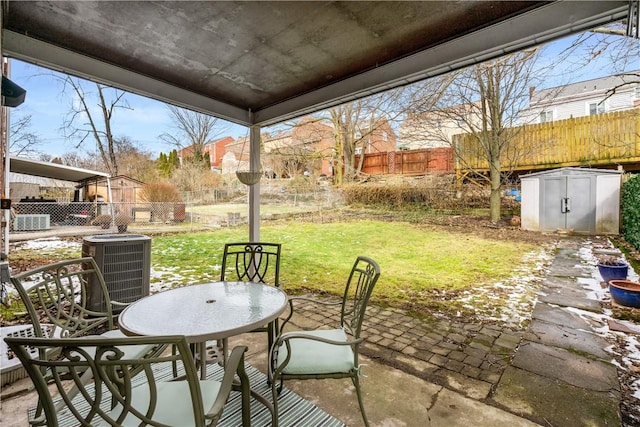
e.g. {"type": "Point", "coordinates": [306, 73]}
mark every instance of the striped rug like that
{"type": "Point", "coordinates": [293, 410]}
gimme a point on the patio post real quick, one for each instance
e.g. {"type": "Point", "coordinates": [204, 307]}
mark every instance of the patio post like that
{"type": "Point", "coordinates": [254, 190]}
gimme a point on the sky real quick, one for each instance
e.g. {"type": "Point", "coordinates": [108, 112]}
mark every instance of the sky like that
{"type": "Point", "coordinates": [45, 101]}
{"type": "Point", "coordinates": [148, 119]}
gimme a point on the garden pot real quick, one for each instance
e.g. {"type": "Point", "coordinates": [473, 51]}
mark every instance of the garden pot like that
{"type": "Point", "coordinates": [625, 292]}
{"type": "Point", "coordinates": [613, 271]}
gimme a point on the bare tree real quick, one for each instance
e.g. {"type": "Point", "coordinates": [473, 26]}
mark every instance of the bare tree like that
{"type": "Point", "coordinates": [291, 160]}
{"type": "Point", "coordinates": [135, 163]}
{"type": "Point", "coordinates": [193, 130]}
{"type": "Point", "coordinates": [296, 147]}
{"type": "Point", "coordinates": [611, 43]}
{"type": "Point", "coordinates": [484, 101]}
{"type": "Point", "coordinates": [353, 123]}
{"type": "Point", "coordinates": [22, 140]}
{"type": "Point", "coordinates": [86, 122]}
{"type": "Point", "coordinates": [192, 177]}
{"type": "Point", "coordinates": [356, 122]}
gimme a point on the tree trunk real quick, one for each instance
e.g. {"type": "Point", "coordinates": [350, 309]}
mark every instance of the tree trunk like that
{"type": "Point", "coordinates": [495, 199]}
{"type": "Point", "coordinates": [495, 169]}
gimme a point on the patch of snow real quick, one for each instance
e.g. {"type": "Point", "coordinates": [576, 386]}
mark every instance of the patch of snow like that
{"type": "Point", "coordinates": [626, 351]}
{"type": "Point", "coordinates": [514, 297]}
{"type": "Point", "coordinates": [46, 244]}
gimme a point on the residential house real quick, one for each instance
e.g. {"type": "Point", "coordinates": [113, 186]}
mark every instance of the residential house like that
{"type": "Point", "coordinates": [435, 129]}
{"type": "Point", "coordinates": [235, 156]}
{"type": "Point", "coordinates": [306, 148]}
{"type": "Point", "coordinates": [309, 146]}
{"type": "Point", "coordinates": [216, 150]}
{"type": "Point", "coordinates": [376, 137]}
{"type": "Point", "coordinates": [432, 129]}
{"type": "Point", "coordinates": [587, 98]}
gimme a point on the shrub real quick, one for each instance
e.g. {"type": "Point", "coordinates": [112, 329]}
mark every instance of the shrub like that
{"type": "Point", "coordinates": [123, 219]}
{"type": "Point", "coordinates": [102, 220]}
{"type": "Point", "coordinates": [630, 202]}
{"type": "Point", "coordinates": [160, 191]}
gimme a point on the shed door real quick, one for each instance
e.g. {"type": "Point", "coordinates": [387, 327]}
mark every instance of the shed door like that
{"type": "Point", "coordinates": [568, 202]}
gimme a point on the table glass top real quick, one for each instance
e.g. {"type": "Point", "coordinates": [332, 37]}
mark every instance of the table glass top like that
{"type": "Point", "coordinates": [203, 312]}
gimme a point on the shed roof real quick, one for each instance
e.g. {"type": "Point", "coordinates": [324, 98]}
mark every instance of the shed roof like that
{"type": "Point", "coordinates": [572, 171]}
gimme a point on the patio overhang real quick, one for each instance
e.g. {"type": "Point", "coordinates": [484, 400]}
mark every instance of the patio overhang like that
{"type": "Point", "coordinates": [260, 63]}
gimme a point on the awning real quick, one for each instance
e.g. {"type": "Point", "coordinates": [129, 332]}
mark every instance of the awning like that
{"type": "Point", "coordinates": [53, 170]}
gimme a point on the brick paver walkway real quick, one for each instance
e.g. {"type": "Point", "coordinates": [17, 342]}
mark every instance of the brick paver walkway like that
{"type": "Point", "coordinates": [440, 351]}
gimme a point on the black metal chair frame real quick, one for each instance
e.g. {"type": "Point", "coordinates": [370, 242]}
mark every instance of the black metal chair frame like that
{"type": "Point", "coordinates": [253, 262]}
{"type": "Point", "coordinates": [360, 283]}
{"type": "Point", "coordinates": [117, 397]}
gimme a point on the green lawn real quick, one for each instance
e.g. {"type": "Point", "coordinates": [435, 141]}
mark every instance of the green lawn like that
{"type": "Point", "coordinates": [414, 261]}
{"type": "Point", "coordinates": [417, 263]}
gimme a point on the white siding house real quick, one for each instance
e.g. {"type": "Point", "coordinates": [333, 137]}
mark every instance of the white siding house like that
{"type": "Point", "coordinates": [435, 129]}
{"type": "Point", "coordinates": [582, 99]}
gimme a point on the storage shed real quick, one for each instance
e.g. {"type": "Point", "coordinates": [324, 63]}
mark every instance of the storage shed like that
{"type": "Point", "coordinates": [584, 200]}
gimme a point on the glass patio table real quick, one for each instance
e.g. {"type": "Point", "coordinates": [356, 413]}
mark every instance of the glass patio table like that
{"type": "Point", "coordinates": [209, 311]}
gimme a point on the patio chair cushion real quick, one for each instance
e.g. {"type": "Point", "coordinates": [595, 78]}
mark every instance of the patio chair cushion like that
{"type": "Point", "coordinates": [172, 408]}
{"type": "Point", "coordinates": [316, 357]}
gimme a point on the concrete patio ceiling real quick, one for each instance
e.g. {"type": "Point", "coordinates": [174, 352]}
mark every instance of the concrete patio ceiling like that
{"type": "Point", "coordinates": [259, 63]}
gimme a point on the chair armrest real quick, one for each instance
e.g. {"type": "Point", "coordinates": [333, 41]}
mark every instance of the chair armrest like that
{"type": "Point", "coordinates": [298, 335]}
{"type": "Point", "coordinates": [235, 364]}
{"type": "Point", "coordinates": [120, 304]}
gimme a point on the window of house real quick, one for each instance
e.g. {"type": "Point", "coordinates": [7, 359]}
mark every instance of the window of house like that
{"type": "Point", "coordinates": [638, 92]}
{"type": "Point", "coordinates": [596, 108]}
{"type": "Point", "coordinates": [358, 151]}
{"type": "Point", "coordinates": [546, 116]}
{"type": "Point", "coordinates": [384, 136]}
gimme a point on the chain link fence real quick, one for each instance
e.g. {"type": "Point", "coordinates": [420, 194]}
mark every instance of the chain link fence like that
{"type": "Point", "coordinates": [211, 208]}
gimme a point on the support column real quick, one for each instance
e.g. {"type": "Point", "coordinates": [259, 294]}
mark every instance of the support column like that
{"type": "Point", "coordinates": [254, 190]}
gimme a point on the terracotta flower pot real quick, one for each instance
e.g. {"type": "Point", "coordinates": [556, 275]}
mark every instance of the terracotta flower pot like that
{"type": "Point", "coordinates": [625, 292]}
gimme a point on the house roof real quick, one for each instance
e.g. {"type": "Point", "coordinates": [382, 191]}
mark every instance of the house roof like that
{"type": "Point", "coordinates": [53, 170]}
{"type": "Point", "coordinates": [115, 180]}
{"type": "Point", "coordinates": [263, 62]}
{"type": "Point", "coordinates": [592, 87]}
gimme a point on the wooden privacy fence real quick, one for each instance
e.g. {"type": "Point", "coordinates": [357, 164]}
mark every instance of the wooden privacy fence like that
{"type": "Point", "coordinates": [408, 162]}
{"type": "Point", "coordinates": [600, 140]}
{"type": "Point", "coordinates": [604, 140]}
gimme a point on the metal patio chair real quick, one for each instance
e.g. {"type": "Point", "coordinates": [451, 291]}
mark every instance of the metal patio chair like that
{"type": "Point", "coordinates": [252, 262]}
{"type": "Point", "coordinates": [69, 299]}
{"type": "Point", "coordinates": [326, 353]}
{"type": "Point", "coordinates": [153, 397]}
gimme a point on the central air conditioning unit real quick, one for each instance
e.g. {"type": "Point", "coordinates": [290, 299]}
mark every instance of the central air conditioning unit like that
{"type": "Point", "coordinates": [125, 263]}
{"type": "Point", "coordinates": [24, 222]}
